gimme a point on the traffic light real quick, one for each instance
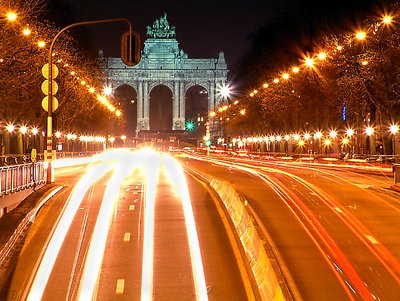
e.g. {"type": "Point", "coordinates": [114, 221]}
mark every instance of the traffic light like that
{"type": "Point", "coordinates": [190, 125]}
{"type": "Point", "coordinates": [130, 48]}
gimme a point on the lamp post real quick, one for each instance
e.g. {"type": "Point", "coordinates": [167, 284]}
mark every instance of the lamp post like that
{"type": "Point", "coordinates": [49, 136]}
{"type": "Point", "coordinates": [10, 129]}
{"type": "Point", "coordinates": [350, 133]}
{"type": "Point", "coordinates": [34, 131]}
{"type": "Point", "coordinates": [369, 131]}
{"type": "Point", "coordinates": [394, 129]}
{"type": "Point", "coordinates": [23, 130]}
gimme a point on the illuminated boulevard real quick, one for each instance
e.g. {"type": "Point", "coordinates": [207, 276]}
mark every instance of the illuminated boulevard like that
{"type": "Point", "coordinates": [134, 226]}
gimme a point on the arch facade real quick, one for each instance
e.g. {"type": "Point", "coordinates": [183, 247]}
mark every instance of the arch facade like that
{"type": "Point", "coordinates": [164, 63]}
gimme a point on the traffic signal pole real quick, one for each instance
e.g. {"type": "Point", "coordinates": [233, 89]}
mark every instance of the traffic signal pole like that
{"type": "Point", "coordinates": [49, 136]}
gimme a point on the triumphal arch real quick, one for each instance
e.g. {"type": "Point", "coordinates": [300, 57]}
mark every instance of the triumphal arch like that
{"type": "Point", "coordinates": [164, 63]}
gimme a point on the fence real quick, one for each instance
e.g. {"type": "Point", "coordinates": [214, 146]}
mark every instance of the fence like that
{"type": "Point", "coordinates": [18, 177]}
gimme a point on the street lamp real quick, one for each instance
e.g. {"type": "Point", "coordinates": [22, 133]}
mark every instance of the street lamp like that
{"type": "Point", "coordinates": [130, 55]}
{"type": "Point", "coordinates": [10, 16]}
{"type": "Point", "coordinates": [34, 131]}
{"type": "Point", "coordinates": [23, 130]}
{"type": "Point", "coordinates": [394, 129]}
{"type": "Point", "coordinates": [369, 130]}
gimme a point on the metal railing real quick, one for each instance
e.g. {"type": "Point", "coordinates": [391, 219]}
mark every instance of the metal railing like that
{"type": "Point", "coordinates": [18, 177]}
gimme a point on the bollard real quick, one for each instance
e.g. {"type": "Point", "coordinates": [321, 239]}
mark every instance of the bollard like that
{"type": "Point", "coordinates": [396, 171]}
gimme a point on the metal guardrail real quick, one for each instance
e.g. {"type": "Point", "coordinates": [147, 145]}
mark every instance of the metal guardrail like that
{"type": "Point", "coordinates": [18, 177]}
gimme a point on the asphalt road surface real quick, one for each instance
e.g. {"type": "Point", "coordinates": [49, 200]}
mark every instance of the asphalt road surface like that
{"type": "Point", "coordinates": [335, 228]}
{"type": "Point", "coordinates": [95, 238]}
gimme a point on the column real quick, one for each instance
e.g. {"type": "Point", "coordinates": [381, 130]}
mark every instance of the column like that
{"type": "Point", "coordinates": [146, 105]}
{"type": "Point", "coordinates": [140, 102]}
{"type": "Point", "coordinates": [211, 99]}
{"type": "Point", "coordinates": [175, 104]}
{"type": "Point", "coordinates": [181, 112]}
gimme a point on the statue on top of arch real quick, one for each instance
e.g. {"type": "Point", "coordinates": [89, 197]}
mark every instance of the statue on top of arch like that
{"type": "Point", "coordinates": [161, 29]}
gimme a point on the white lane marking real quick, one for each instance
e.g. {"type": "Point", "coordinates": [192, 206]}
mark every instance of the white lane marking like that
{"type": "Point", "coordinates": [127, 236]}
{"type": "Point", "coordinates": [338, 210]}
{"type": "Point", "coordinates": [132, 207]}
{"type": "Point", "coordinates": [372, 239]}
{"type": "Point", "coordinates": [120, 286]}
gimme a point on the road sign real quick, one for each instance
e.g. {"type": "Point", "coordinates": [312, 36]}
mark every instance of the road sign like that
{"type": "Point", "coordinates": [45, 103]}
{"type": "Point", "coordinates": [45, 71]}
{"type": "Point", "coordinates": [45, 87]}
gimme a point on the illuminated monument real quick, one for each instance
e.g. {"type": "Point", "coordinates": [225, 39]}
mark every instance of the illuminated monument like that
{"type": "Point", "coordinates": [163, 63]}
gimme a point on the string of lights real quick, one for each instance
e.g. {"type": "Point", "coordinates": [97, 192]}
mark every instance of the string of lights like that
{"type": "Point", "coordinates": [78, 76]}
{"type": "Point", "coordinates": [309, 63]}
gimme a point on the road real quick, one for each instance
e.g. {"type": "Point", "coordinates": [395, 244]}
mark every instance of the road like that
{"type": "Point", "coordinates": [129, 228]}
{"type": "Point", "coordinates": [335, 229]}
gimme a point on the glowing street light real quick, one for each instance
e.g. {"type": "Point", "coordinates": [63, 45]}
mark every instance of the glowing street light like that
{"type": "Point", "coordinates": [394, 129]}
{"type": "Point", "coordinates": [369, 130]}
{"type": "Point", "coordinates": [361, 35]}
{"type": "Point", "coordinates": [333, 134]}
{"type": "Point", "coordinates": [349, 132]}
{"type": "Point", "coordinates": [318, 135]}
{"type": "Point", "coordinates": [26, 31]}
{"type": "Point", "coordinates": [35, 131]}
{"type": "Point", "coordinates": [345, 141]}
{"type": "Point", "coordinates": [322, 56]}
{"type": "Point", "coordinates": [309, 62]}
{"type": "Point", "coordinates": [224, 91]}
{"type": "Point", "coordinates": [23, 129]}
{"type": "Point", "coordinates": [11, 16]}
{"type": "Point", "coordinates": [57, 134]}
{"type": "Point", "coordinates": [387, 19]}
{"type": "Point", "coordinates": [10, 128]}
{"type": "Point", "coordinates": [107, 91]}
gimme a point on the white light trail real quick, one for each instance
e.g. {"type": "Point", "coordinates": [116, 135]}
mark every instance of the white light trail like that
{"type": "Point", "coordinates": [153, 160]}
{"type": "Point", "coordinates": [54, 246]}
{"type": "Point", "coordinates": [177, 177]}
{"type": "Point", "coordinates": [94, 259]}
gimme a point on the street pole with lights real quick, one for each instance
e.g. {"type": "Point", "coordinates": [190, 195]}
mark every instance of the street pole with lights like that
{"type": "Point", "coordinates": [394, 129]}
{"type": "Point", "coordinates": [129, 56]}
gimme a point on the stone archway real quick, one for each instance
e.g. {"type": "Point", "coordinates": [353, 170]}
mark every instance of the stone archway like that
{"type": "Point", "coordinates": [160, 108]}
{"type": "Point", "coordinates": [164, 63]}
{"type": "Point", "coordinates": [126, 97]}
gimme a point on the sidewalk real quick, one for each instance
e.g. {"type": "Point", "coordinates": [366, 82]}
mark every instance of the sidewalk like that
{"type": "Point", "coordinates": [14, 227]}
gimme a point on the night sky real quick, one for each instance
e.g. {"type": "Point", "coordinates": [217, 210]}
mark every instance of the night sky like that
{"type": "Point", "coordinates": [203, 28]}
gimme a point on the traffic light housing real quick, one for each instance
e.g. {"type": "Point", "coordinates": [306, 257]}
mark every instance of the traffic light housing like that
{"type": "Point", "coordinates": [130, 48]}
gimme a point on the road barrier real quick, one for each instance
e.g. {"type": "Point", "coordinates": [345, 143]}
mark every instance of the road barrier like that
{"type": "Point", "coordinates": [264, 274]}
{"type": "Point", "coordinates": [18, 177]}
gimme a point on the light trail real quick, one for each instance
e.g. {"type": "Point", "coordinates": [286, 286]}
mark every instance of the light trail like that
{"type": "Point", "coordinates": [293, 202]}
{"type": "Point", "coordinates": [57, 239]}
{"type": "Point", "coordinates": [94, 259]}
{"type": "Point", "coordinates": [152, 159]}
{"type": "Point", "coordinates": [177, 177]}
